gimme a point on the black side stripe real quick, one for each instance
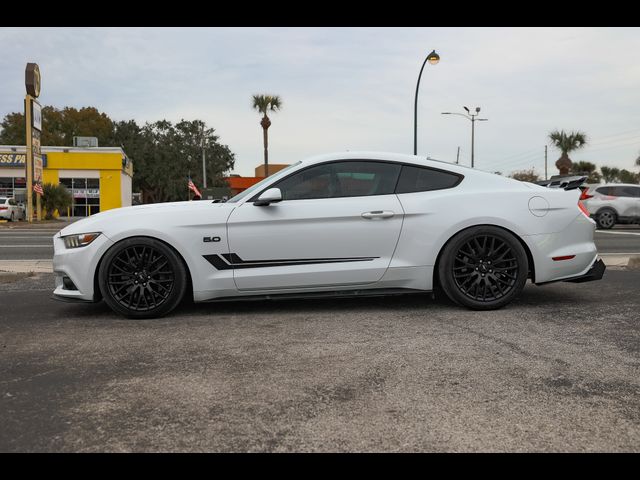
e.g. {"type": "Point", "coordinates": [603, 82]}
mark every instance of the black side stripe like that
{"type": "Point", "coordinates": [227, 261]}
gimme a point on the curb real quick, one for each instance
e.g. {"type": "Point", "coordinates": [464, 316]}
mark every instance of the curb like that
{"type": "Point", "coordinates": [631, 262]}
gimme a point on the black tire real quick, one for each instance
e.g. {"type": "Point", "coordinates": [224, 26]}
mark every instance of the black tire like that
{"type": "Point", "coordinates": [468, 273]}
{"type": "Point", "coordinates": [142, 277]}
{"type": "Point", "coordinates": [606, 219]}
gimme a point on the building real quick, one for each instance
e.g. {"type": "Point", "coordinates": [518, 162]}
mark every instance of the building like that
{"type": "Point", "coordinates": [99, 178]}
{"type": "Point", "coordinates": [273, 168]}
{"type": "Point", "coordinates": [239, 184]}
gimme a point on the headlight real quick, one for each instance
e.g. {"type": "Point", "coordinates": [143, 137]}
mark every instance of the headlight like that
{"type": "Point", "coordinates": [82, 240]}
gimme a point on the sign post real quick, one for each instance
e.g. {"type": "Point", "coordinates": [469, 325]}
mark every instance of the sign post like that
{"type": "Point", "coordinates": [33, 118]}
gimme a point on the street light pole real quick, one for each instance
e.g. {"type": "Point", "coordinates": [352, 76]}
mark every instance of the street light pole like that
{"type": "Point", "coordinates": [472, 117]}
{"type": "Point", "coordinates": [432, 58]}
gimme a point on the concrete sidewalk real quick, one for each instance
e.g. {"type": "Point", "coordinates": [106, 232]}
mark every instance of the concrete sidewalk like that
{"type": "Point", "coordinates": [26, 266]}
{"type": "Point", "coordinates": [45, 266]}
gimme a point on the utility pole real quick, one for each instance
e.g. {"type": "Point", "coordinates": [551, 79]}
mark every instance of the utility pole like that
{"type": "Point", "coordinates": [204, 168]}
{"type": "Point", "coordinates": [458, 156]}
{"type": "Point", "coordinates": [473, 123]}
{"type": "Point", "coordinates": [545, 163]}
{"type": "Point", "coordinates": [472, 117]}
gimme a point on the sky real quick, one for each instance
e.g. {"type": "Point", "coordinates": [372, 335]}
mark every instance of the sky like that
{"type": "Point", "coordinates": [351, 88]}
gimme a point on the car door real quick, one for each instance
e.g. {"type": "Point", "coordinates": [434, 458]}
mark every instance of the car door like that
{"type": "Point", "coordinates": [338, 224]}
{"type": "Point", "coordinates": [635, 192]}
{"type": "Point", "coordinates": [626, 201]}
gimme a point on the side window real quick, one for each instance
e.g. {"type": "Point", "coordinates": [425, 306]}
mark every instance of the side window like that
{"type": "Point", "coordinates": [419, 179]}
{"type": "Point", "coordinates": [341, 179]}
{"type": "Point", "coordinates": [621, 191]}
{"type": "Point", "coordinates": [604, 190]}
{"type": "Point", "coordinates": [359, 179]}
{"type": "Point", "coordinates": [12, 202]}
{"type": "Point", "coordinates": [314, 182]}
{"type": "Point", "coordinates": [630, 192]}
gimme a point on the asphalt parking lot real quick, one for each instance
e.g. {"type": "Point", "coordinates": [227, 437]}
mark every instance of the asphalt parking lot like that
{"type": "Point", "coordinates": [558, 370]}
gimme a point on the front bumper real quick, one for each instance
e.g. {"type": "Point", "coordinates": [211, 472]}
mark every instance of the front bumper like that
{"type": "Point", "coordinates": [79, 265]}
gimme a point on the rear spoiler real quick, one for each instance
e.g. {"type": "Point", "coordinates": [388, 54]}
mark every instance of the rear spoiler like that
{"type": "Point", "coordinates": [566, 183]}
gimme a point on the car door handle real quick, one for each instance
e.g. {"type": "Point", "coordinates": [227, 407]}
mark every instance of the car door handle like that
{"type": "Point", "coordinates": [377, 214]}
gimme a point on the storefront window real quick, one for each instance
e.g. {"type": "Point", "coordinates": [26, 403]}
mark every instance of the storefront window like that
{"type": "Point", "coordinates": [13, 187]}
{"type": "Point", "coordinates": [85, 193]}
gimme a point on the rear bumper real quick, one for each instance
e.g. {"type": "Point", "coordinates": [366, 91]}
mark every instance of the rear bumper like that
{"type": "Point", "coordinates": [595, 272]}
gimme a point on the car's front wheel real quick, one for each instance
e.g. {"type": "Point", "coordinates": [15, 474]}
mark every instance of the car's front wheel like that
{"type": "Point", "coordinates": [483, 268]}
{"type": "Point", "coordinates": [142, 277]}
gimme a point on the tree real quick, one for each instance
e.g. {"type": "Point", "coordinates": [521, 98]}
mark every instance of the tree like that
{"type": "Point", "coordinates": [628, 177]}
{"type": "Point", "coordinates": [566, 143]}
{"type": "Point", "coordinates": [610, 174]}
{"type": "Point", "coordinates": [55, 197]}
{"type": "Point", "coordinates": [264, 103]}
{"type": "Point", "coordinates": [526, 175]}
{"type": "Point", "coordinates": [164, 155]}
{"type": "Point", "coordinates": [59, 126]}
{"type": "Point", "coordinates": [586, 168]}
{"type": "Point", "coordinates": [638, 161]}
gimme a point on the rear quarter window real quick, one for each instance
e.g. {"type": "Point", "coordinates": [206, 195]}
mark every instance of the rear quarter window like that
{"type": "Point", "coordinates": [422, 179]}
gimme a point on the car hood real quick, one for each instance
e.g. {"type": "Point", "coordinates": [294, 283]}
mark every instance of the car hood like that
{"type": "Point", "coordinates": [156, 216]}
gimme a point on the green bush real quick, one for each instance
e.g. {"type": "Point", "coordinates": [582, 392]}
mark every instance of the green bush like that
{"type": "Point", "coordinates": [55, 197]}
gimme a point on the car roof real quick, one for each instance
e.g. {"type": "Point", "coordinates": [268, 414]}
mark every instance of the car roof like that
{"type": "Point", "coordinates": [394, 157]}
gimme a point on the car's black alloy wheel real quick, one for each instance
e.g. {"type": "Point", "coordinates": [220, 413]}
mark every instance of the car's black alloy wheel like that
{"type": "Point", "coordinates": [483, 268]}
{"type": "Point", "coordinates": [142, 278]}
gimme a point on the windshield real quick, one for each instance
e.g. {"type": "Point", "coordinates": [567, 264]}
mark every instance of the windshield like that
{"type": "Point", "coordinates": [254, 188]}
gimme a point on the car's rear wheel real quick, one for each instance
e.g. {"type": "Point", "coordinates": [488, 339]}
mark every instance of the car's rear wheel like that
{"type": "Point", "coordinates": [483, 268]}
{"type": "Point", "coordinates": [606, 219]}
{"type": "Point", "coordinates": [142, 278]}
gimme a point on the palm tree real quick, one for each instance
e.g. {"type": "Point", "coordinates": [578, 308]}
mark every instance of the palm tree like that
{"type": "Point", "coordinates": [566, 142]}
{"type": "Point", "coordinates": [586, 168]}
{"type": "Point", "coordinates": [264, 103]}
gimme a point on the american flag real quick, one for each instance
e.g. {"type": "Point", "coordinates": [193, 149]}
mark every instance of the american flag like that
{"type": "Point", "coordinates": [193, 187]}
{"type": "Point", "coordinates": [37, 187]}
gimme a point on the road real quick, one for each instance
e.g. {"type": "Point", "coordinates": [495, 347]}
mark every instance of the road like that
{"type": "Point", "coordinates": [556, 371]}
{"type": "Point", "coordinates": [22, 243]}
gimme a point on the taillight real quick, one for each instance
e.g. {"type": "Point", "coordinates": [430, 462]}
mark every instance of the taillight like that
{"type": "Point", "coordinates": [583, 209]}
{"type": "Point", "coordinates": [3, 207]}
{"type": "Point", "coordinates": [585, 195]}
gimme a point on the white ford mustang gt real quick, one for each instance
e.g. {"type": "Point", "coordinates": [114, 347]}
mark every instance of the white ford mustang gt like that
{"type": "Point", "coordinates": [356, 223]}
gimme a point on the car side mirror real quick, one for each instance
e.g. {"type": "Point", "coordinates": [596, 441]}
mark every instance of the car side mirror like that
{"type": "Point", "coordinates": [269, 196]}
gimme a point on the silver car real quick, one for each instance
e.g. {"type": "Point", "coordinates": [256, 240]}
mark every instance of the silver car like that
{"type": "Point", "coordinates": [11, 210]}
{"type": "Point", "coordinates": [612, 203]}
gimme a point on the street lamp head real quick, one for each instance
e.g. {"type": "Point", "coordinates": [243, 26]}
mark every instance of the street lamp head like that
{"type": "Point", "coordinates": [445, 113]}
{"type": "Point", "coordinates": [466, 109]}
{"type": "Point", "coordinates": [433, 57]}
{"type": "Point", "coordinates": [477, 109]}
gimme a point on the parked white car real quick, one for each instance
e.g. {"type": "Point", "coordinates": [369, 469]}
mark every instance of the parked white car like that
{"type": "Point", "coordinates": [613, 203]}
{"type": "Point", "coordinates": [11, 210]}
{"type": "Point", "coordinates": [355, 223]}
